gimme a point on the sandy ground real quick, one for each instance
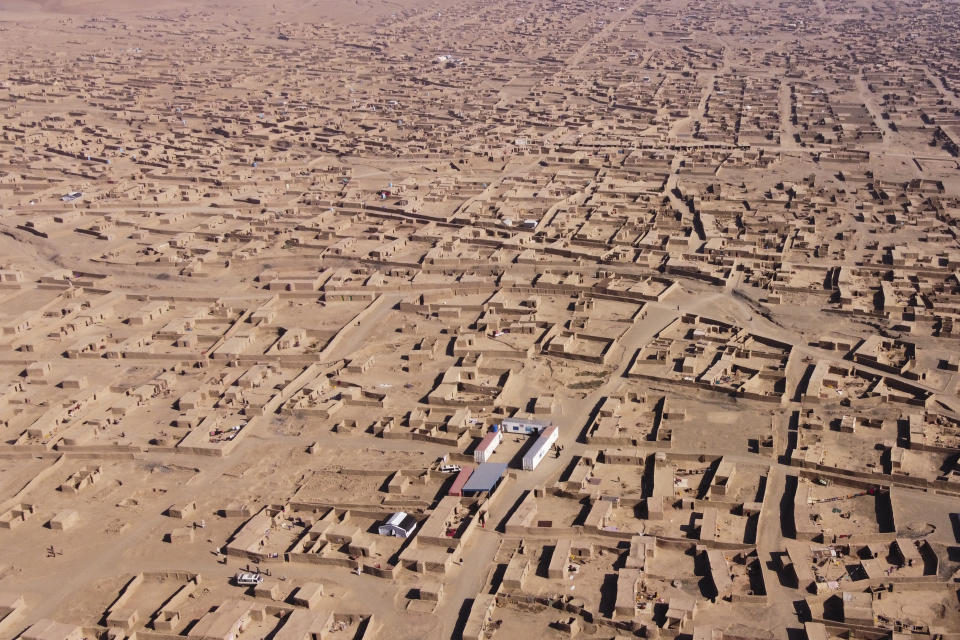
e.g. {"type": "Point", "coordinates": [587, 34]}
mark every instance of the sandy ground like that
{"type": "Point", "coordinates": [272, 264]}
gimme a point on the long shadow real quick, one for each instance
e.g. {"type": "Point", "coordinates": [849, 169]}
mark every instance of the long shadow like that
{"type": "Point", "coordinates": [950, 463]}
{"type": "Point", "coordinates": [23, 630]}
{"type": "Point", "coordinates": [788, 526]}
{"type": "Point", "coordinates": [707, 479]}
{"type": "Point", "coordinates": [786, 577]}
{"type": "Point", "coordinates": [384, 486]}
{"type": "Point", "coordinates": [803, 611]}
{"type": "Point", "coordinates": [462, 619]}
{"type": "Point", "coordinates": [500, 526]}
{"type": "Point", "coordinates": [903, 433]}
{"type": "Point", "coordinates": [796, 634]}
{"type": "Point", "coordinates": [193, 623]}
{"type": "Point", "coordinates": [516, 462]}
{"type": "Point", "coordinates": [621, 560]}
{"type": "Point", "coordinates": [472, 446]}
{"type": "Point", "coordinates": [931, 562]}
{"type": "Point", "coordinates": [793, 427]}
{"type": "Point", "coordinates": [608, 595]}
{"type": "Point", "coordinates": [660, 614]}
{"type": "Point", "coordinates": [755, 575]}
{"type": "Point", "coordinates": [282, 619]}
{"type": "Point", "coordinates": [437, 379]}
{"type": "Point", "coordinates": [750, 530]}
{"type": "Point", "coordinates": [761, 489]}
{"type": "Point", "coordinates": [708, 589]}
{"type": "Point", "coordinates": [884, 509]}
{"type": "Point", "coordinates": [497, 578]}
{"type": "Point", "coordinates": [886, 461]}
{"type": "Point", "coordinates": [657, 419]}
{"type": "Point", "coordinates": [804, 383]}
{"type": "Point", "coordinates": [395, 558]}
{"type": "Point", "coordinates": [543, 565]}
{"type": "Point", "coordinates": [780, 386]}
{"type": "Point", "coordinates": [582, 436]}
{"type": "Point", "coordinates": [633, 361]}
{"type": "Point", "coordinates": [955, 523]}
{"type": "Point", "coordinates": [445, 487]}
{"type": "Point", "coordinates": [646, 483]}
{"type": "Point", "coordinates": [828, 278]}
{"type": "Point", "coordinates": [698, 227]}
{"type": "Point", "coordinates": [585, 506]}
{"type": "Point", "coordinates": [640, 510]}
{"type": "Point", "coordinates": [691, 530]}
{"type": "Point", "coordinates": [362, 629]}
{"type": "Point", "coordinates": [833, 608]}
{"type": "Point", "coordinates": [568, 471]}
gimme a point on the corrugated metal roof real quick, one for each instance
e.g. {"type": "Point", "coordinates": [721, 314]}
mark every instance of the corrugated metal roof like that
{"type": "Point", "coordinates": [396, 518]}
{"type": "Point", "coordinates": [485, 477]}
{"type": "Point", "coordinates": [542, 442]}
{"type": "Point", "coordinates": [462, 477]}
{"type": "Point", "coordinates": [525, 421]}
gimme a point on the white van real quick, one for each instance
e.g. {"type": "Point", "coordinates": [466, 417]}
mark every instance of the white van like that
{"type": "Point", "coordinates": [248, 578]}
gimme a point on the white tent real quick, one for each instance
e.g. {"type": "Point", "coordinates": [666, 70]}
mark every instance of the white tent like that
{"type": "Point", "coordinates": [399, 524]}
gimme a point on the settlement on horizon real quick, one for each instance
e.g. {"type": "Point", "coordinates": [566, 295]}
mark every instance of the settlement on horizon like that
{"type": "Point", "coordinates": [429, 320]}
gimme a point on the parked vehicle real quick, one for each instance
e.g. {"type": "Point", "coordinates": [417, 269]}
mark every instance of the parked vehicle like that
{"type": "Point", "coordinates": [247, 579]}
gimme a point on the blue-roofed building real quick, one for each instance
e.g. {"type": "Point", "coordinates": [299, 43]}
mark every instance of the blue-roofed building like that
{"type": "Point", "coordinates": [485, 479]}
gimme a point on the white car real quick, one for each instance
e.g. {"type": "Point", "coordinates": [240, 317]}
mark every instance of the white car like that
{"type": "Point", "coordinates": [248, 578]}
{"type": "Point", "coordinates": [450, 468]}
